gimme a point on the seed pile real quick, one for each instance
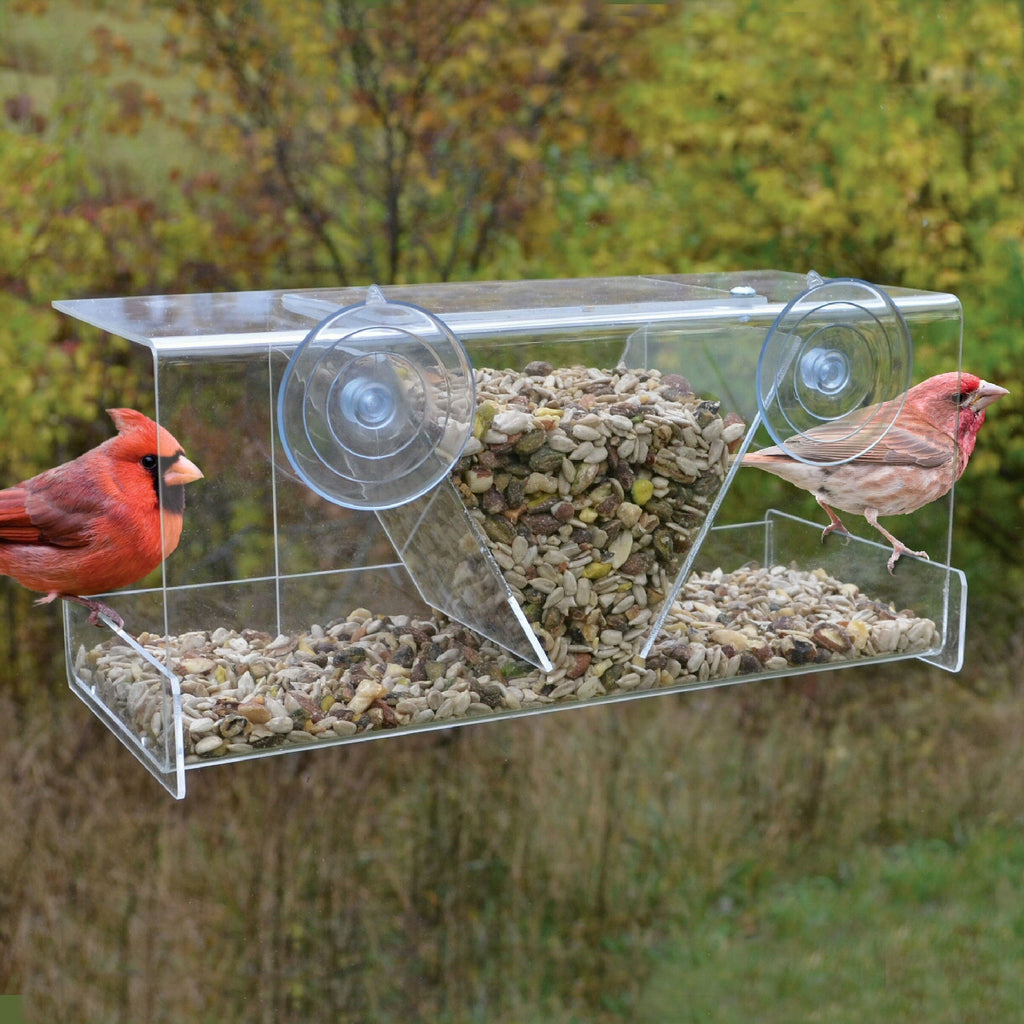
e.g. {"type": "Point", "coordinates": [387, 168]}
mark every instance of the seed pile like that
{"type": "Point", "coordinates": [247, 691]}
{"type": "Point", "coordinates": [590, 486]}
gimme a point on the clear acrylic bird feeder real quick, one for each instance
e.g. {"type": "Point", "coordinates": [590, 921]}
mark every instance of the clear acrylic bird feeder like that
{"type": "Point", "coordinates": [430, 505]}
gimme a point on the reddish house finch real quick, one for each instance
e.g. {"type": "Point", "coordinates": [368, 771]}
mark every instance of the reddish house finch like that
{"type": "Point", "coordinates": [100, 522]}
{"type": "Point", "coordinates": [915, 462]}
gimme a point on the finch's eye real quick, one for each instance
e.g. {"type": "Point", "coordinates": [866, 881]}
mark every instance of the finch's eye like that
{"type": "Point", "coordinates": [149, 462]}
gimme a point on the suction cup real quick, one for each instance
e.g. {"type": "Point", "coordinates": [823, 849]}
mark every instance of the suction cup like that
{"type": "Point", "coordinates": [376, 404]}
{"type": "Point", "coordinates": [835, 352]}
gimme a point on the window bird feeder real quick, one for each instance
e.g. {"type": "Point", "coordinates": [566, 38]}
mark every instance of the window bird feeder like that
{"type": "Point", "coordinates": [430, 505]}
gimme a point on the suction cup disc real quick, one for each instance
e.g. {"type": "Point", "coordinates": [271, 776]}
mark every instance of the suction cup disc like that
{"type": "Point", "coordinates": [376, 404]}
{"type": "Point", "coordinates": [835, 352]}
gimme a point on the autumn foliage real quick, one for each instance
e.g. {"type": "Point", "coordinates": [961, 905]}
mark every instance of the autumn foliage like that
{"type": "Point", "coordinates": [176, 145]}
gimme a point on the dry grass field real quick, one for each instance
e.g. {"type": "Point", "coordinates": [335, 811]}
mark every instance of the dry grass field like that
{"type": "Point", "coordinates": [541, 870]}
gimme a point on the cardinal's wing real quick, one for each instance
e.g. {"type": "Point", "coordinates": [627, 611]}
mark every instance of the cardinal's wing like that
{"type": "Point", "coordinates": [53, 509]}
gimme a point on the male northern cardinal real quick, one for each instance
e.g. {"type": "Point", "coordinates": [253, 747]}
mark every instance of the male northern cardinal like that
{"type": "Point", "coordinates": [911, 465]}
{"type": "Point", "coordinates": [101, 521]}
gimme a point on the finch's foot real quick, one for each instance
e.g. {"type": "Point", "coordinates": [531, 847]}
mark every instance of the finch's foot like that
{"type": "Point", "coordinates": [835, 523]}
{"type": "Point", "coordinates": [836, 527]}
{"type": "Point", "coordinates": [898, 548]}
{"type": "Point", "coordinates": [96, 608]}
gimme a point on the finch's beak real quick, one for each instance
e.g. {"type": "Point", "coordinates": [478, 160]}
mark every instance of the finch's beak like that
{"type": "Point", "coordinates": [181, 471]}
{"type": "Point", "coordinates": [985, 396]}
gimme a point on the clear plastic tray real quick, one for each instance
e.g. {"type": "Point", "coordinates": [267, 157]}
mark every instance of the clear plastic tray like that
{"type": "Point", "coordinates": [408, 533]}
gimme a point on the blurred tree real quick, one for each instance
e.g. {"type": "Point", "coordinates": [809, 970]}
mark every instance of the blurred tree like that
{"type": "Point", "coordinates": [399, 140]}
{"type": "Point", "coordinates": [45, 377]}
{"type": "Point", "coordinates": [874, 141]}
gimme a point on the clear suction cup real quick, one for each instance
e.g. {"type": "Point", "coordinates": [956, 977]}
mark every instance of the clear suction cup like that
{"type": "Point", "coordinates": [835, 353]}
{"type": "Point", "coordinates": [376, 404]}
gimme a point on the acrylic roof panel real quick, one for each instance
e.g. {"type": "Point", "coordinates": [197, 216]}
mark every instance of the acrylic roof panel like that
{"type": "Point", "coordinates": [242, 322]}
{"type": "Point", "coordinates": [198, 323]}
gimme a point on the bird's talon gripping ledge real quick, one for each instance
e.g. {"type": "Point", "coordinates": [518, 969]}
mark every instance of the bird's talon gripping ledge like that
{"type": "Point", "coordinates": [895, 557]}
{"type": "Point", "coordinates": [96, 609]}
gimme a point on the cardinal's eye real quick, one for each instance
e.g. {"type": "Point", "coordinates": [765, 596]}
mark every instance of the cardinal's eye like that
{"type": "Point", "coordinates": [149, 462]}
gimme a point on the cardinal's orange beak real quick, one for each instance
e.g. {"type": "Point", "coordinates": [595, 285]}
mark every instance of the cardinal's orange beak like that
{"type": "Point", "coordinates": [181, 471]}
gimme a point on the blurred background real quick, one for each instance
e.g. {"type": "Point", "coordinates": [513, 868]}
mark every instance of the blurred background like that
{"type": "Point", "coordinates": [842, 847]}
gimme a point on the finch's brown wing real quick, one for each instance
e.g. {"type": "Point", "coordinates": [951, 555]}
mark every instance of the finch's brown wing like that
{"type": "Point", "coordinates": [897, 446]}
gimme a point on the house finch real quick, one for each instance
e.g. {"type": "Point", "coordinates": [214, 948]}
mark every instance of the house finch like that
{"type": "Point", "coordinates": [100, 522]}
{"type": "Point", "coordinates": [915, 462]}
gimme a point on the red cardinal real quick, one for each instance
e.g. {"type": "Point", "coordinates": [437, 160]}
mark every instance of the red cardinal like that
{"type": "Point", "coordinates": [100, 522]}
{"type": "Point", "coordinates": [911, 465]}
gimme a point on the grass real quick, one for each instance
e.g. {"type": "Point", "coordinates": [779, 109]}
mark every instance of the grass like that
{"type": "Point", "coordinates": [922, 931]}
{"type": "Point", "coordinates": [712, 856]}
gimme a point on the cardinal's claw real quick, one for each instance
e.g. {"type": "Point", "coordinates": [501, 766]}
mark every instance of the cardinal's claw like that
{"type": "Point", "coordinates": [96, 608]}
{"type": "Point", "coordinates": [105, 609]}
